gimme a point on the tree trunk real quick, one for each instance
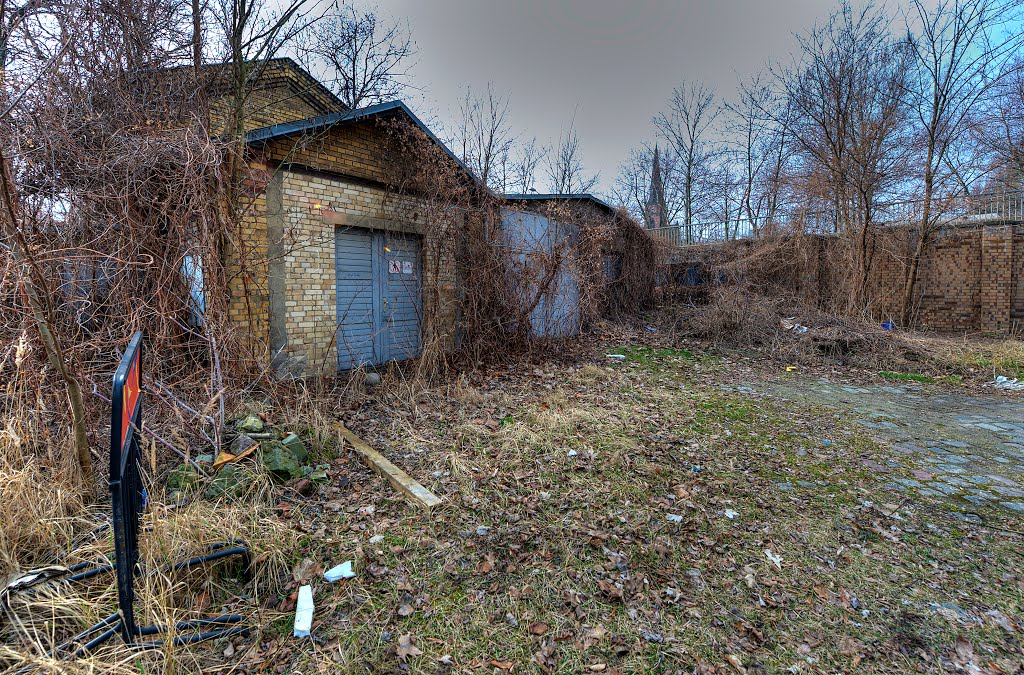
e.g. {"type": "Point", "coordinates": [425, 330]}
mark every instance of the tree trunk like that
{"type": "Point", "coordinates": [39, 308]}
{"type": "Point", "coordinates": [922, 240]}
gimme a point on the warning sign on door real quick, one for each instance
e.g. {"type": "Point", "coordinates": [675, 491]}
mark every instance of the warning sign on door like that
{"type": "Point", "coordinates": [394, 267]}
{"type": "Point", "coordinates": [406, 267]}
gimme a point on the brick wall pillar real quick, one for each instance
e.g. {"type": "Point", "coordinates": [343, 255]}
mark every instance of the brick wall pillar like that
{"type": "Point", "coordinates": [1017, 306]}
{"type": "Point", "coordinates": [996, 278]}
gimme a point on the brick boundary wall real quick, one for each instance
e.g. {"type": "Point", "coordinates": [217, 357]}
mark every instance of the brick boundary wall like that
{"type": "Point", "coordinates": [969, 279]}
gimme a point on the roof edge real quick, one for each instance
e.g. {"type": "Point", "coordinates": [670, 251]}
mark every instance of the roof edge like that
{"type": "Point", "coordinates": [285, 129]}
{"type": "Point", "coordinates": [556, 196]}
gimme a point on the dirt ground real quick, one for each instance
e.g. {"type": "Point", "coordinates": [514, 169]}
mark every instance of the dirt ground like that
{"type": "Point", "coordinates": [672, 511]}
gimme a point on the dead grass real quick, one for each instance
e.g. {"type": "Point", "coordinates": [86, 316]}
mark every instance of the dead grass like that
{"type": "Point", "coordinates": [585, 525]}
{"type": "Point", "coordinates": [734, 318]}
{"type": "Point", "coordinates": [979, 356]}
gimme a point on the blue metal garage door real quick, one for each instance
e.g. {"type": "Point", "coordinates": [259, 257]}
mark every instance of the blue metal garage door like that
{"type": "Point", "coordinates": [378, 297]}
{"type": "Point", "coordinates": [533, 238]}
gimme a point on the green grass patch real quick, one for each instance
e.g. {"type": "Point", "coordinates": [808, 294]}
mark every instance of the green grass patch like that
{"type": "Point", "coordinates": [651, 355]}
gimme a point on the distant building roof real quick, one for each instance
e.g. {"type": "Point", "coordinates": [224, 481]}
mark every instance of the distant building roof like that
{"type": "Point", "coordinates": [579, 196]}
{"type": "Point", "coordinates": [343, 117]}
{"type": "Point", "coordinates": [312, 89]}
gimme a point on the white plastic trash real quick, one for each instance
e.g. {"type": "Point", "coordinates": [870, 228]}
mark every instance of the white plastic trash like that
{"type": "Point", "coordinates": [339, 572]}
{"type": "Point", "coordinates": [304, 612]}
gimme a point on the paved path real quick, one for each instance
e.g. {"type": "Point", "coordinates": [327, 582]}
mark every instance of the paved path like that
{"type": "Point", "coordinates": [969, 448]}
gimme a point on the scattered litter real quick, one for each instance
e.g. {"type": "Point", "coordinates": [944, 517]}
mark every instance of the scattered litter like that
{"type": "Point", "coordinates": [730, 514]}
{"type": "Point", "coordinates": [483, 531]}
{"type": "Point", "coordinates": [650, 329]}
{"type": "Point", "coordinates": [952, 612]}
{"type": "Point", "coordinates": [791, 369]}
{"type": "Point", "coordinates": [342, 571]}
{"type": "Point", "coordinates": [571, 453]}
{"type": "Point", "coordinates": [773, 559]}
{"type": "Point", "coordinates": [1013, 384]}
{"type": "Point", "coordinates": [791, 324]}
{"type": "Point", "coordinates": [888, 325]}
{"type": "Point", "coordinates": [673, 518]}
{"type": "Point", "coordinates": [651, 636]}
{"type": "Point", "coordinates": [825, 441]}
{"type": "Point", "coordinates": [377, 538]}
{"type": "Point", "coordinates": [304, 612]}
{"type": "Point", "coordinates": [617, 357]}
{"type": "Point", "coordinates": [695, 468]}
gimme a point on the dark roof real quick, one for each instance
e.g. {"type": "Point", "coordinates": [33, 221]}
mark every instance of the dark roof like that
{"type": "Point", "coordinates": [322, 122]}
{"type": "Point", "coordinates": [580, 196]}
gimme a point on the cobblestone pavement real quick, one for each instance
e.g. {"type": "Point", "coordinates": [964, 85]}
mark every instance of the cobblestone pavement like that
{"type": "Point", "coordinates": [969, 449]}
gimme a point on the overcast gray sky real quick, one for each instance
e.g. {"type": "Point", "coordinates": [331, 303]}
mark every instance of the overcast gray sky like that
{"type": "Point", "coordinates": [612, 63]}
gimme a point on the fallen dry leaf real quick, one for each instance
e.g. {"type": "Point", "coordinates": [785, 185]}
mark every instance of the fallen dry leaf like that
{"type": "Point", "coordinates": [735, 662]}
{"type": "Point", "coordinates": [407, 647]}
{"type": "Point", "coordinates": [202, 601]}
{"type": "Point", "coordinates": [538, 628]}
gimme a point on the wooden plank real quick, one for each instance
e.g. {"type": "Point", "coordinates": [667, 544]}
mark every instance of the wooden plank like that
{"type": "Point", "coordinates": [400, 480]}
{"type": "Point", "coordinates": [226, 457]}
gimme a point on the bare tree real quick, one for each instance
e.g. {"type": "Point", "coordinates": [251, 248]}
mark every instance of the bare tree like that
{"type": "Point", "coordinates": [1002, 130]}
{"type": "Point", "coordinates": [565, 169]}
{"type": "Point", "coordinates": [362, 58]}
{"type": "Point", "coordinates": [958, 60]}
{"type": "Point", "coordinates": [632, 185]}
{"type": "Point", "coordinates": [484, 136]}
{"type": "Point", "coordinates": [759, 127]}
{"type": "Point", "coordinates": [685, 126]}
{"type": "Point", "coordinates": [846, 117]}
{"type": "Point", "coordinates": [727, 192]}
{"type": "Point", "coordinates": [524, 163]}
{"type": "Point", "coordinates": [14, 226]}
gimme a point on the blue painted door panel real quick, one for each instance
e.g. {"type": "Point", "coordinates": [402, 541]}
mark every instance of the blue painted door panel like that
{"type": "Point", "coordinates": [379, 297]}
{"type": "Point", "coordinates": [355, 298]}
{"type": "Point", "coordinates": [533, 237]}
{"type": "Point", "coordinates": [401, 307]}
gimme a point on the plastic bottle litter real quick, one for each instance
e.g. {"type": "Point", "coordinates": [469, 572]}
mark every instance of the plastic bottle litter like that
{"type": "Point", "coordinates": [342, 571]}
{"type": "Point", "coordinates": [1013, 384]}
{"type": "Point", "coordinates": [617, 357]}
{"type": "Point", "coordinates": [304, 612]}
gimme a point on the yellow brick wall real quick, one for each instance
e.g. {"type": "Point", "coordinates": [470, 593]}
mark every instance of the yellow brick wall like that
{"type": "Point", "coordinates": [246, 270]}
{"type": "Point", "coordinates": [358, 150]}
{"type": "Point", "coordinates": [282, 94]}
{"type": "Point", "coordinates": [313, 206]}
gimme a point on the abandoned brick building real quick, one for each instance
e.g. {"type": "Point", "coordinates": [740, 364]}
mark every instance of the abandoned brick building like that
{"type": "Point", "coordinates": [338, 267]}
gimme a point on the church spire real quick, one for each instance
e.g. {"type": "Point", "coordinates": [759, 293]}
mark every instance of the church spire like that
{"type": "Point", "coordinates": [655, 211]}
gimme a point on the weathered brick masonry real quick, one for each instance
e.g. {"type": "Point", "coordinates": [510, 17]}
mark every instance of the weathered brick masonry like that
{"type": "Point", "coordinates": [282, 288]}
{"type": "Point", "coordinates": [969, 278]}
